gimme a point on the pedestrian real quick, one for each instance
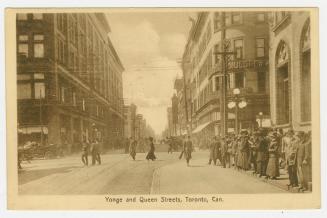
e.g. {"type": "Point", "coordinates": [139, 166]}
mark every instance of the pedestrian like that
{"type": "Point", "coordinates": [262, 150]}
{"type": "Point", "coordinates": [170, 145]}
{"type": "Point", "coordinates": [223, 151]}
{"type": "Point", "coordinates": [272, 171]}
{"type": "Point", "coordinates": [290, 155]}
{"type": "Point", "coordinates": [151, 155]}
{"type": "Point", "coordinates": [244, 147]}
{"type": "Point", "coordinates": [188, 149]}
{"type": "Point", "coordinates": [253, 152]}
{"type": "Point", "coordinates": [286, 140]}
{"type": "Point", "coordinates": [213, 149]}
{"type": "Point", "coordinates": [239, 156]}
{"type": "Point", "coordinates": [132, 148]}
{"type": "Point", "coordinates": [182, 152]}
{"type": "Point", "coordinates": [85, 152]}
{"type": "Point", "coordinates": [303, 159]}
{"type": "Point", "coordinates": [95, 152]}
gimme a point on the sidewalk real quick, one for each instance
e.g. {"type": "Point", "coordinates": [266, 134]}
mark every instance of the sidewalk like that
{"type": "Point", "coordinates": [281, 182]}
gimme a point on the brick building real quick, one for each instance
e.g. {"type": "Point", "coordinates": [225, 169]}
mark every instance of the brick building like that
{"type": "Point", "coordinates": [247, 35]}
{"type": "Point", "coordinates": [290, 74]}
{"type": "Point", "coordinates": [69, 78]}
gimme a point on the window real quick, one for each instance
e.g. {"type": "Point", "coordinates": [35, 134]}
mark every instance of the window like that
{"type": "Point", "coordinates": [260, 17]}
{"type": "Point", "coordinates": [238, 47]}
{"type": "Point", "coordinates": [21, 77]}
{"type": "Point", "coordinates": [260, 47]}
{"type": "Point", "coordinates": [217, 21]}
{"type": "Point", "coordinates": [62, 94]}
{"type": "Point", "coordinates": [39, 90]}
{"type": "Point", "coordinates": [261, 81]}
{"type": "Point", "coordinates": [83, 104]}
{"type": "Point", "coordinates": [24, 91]}
{"type": "Point", "coordinates": [22, 16]}
{"type": "Point", "coordinates": [38, 46]}
{"type": "Point", "coordinates": [38, 16]}
{"type": "Point", "coordinates": [74, 99]}
{"type": "Point", "coordinates": [236, 18]}
{"type": "Point", "coordinates": [239, 80]}
{"type": "Point", "coordinates": [217, 83]}
{"type": "Point", "coordinates": [61, 51]}
{"type": "Point", "coordinates": [216, 56]}
{"type": "Point", "coordinates": [23, 50]}
{"type": "Point", "coordinates": [23, 45]}
{"type": "Point", "coordinates": [38, 76]}
{"type": "Point", "coordinates": [228, 19]}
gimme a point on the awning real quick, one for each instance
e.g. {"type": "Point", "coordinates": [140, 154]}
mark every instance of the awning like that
{"type": "Point", "coordinates": [200, 127]}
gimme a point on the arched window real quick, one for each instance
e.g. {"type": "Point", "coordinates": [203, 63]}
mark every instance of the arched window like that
{"type": "Point", "coordinates": [282, 85]}
{"type": "Point", "coordinates": [306, 73]}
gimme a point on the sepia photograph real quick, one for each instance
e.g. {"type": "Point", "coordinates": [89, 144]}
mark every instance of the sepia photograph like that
{"type": "Point", "coordinates": [161, 106]}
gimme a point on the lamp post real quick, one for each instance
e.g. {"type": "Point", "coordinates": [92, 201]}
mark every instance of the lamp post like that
{"type": "Point", "coordinates": [237, 103]}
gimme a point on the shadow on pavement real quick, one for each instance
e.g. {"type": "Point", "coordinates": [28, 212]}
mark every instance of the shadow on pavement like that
{"type": "Point", "coordinates": [27, 176]}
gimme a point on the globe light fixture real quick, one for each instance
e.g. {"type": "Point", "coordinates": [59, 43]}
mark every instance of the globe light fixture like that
{"type": "Point", "coordinates": [236, 91]}
{"type": "Point", "coordinates": [231, 104]}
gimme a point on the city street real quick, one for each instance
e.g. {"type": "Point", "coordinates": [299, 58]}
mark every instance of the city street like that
{"type": "Point", "coordinates": [118, 174]}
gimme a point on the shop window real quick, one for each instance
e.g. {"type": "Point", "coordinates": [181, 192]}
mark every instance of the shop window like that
{"type": "Point", "coordinates": [260, 47]}
{"type": "Point", "coordinates": [39, 90]}
{"type": "Point", "coordinates": [24, 91]}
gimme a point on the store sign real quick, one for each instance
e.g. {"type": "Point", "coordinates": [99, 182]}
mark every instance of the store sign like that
{"type": "Point", "coordinates": [244, 64]}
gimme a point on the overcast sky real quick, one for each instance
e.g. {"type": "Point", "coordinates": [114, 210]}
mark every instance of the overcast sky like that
{"type": "Point", "coordinates": [149, 45]}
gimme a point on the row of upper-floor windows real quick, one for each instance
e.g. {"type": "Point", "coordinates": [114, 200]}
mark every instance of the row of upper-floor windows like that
{"type": "Point", "coordinates": [31, 45]}
{"type": "Point", "coordinates": [234, 18]}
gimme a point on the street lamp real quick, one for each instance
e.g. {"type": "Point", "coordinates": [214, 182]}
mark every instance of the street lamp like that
{"type": "Point", "coordinates": [236, 103]}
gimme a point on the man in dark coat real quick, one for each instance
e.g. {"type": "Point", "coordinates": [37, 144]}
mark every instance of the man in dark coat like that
{"type": "Point", "coordinates": [303, 157]}
{"type": "Point", "coordinates": [262, 150]}
{"type": "Point", "coordinates": [188, 149]}
{"type": "Point", "coordinates": [223, 151]}
{"type": "Point", "coordinates": [213, 147]}
{"type": "Point", "coordinates": [151, 155]}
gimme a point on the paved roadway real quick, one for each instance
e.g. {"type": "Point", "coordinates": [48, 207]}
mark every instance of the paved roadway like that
{"type": "Point", "coordinates": [118, 174]}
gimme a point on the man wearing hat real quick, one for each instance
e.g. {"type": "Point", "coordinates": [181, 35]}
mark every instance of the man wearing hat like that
{"type": "Point", "coordinates": [302, 160]}
{"type": "Point", "coordinates": [272, 171]}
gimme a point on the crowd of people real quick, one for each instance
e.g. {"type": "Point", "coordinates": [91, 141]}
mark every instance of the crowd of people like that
{"type": "Point", "coordinates": [266, 152]}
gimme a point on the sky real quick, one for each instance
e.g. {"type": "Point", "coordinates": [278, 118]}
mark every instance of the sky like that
{"type": "Point", "coordinates": [150, 46]}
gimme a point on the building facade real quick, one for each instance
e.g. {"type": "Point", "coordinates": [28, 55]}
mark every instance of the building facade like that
{"type": "Point", "coordinates": [290, 74]}
{"type": "Point", "coordinates": [130, 117]}
{"type": "Point", "coordinates": [247, 35]}
{"type": "Point", "coordinates": [69, 78]}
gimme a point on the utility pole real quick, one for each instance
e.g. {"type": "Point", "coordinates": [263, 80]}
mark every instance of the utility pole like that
{"type": "Point", "coordinates": [224, 72]}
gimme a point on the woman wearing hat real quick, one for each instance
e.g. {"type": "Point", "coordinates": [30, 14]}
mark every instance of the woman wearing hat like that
{"type": "Point", "coordinates": [150, 155]}
{"type": "Point", "coordinates": [273, 161]}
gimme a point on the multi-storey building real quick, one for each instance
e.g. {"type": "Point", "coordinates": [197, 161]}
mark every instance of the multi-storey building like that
{"type": "Point", "coordinates": [129, 125]}
{"type": "Point", "coordinates": [171, 128]}
{"type": "Point", "coordinates": [181, 119]}
{"type": "Point", "coordinates": [247, 35]}
{"type": "Point", "coordinates": [69, 78]}
{"type": "Point", "coordinates": [290, 70]}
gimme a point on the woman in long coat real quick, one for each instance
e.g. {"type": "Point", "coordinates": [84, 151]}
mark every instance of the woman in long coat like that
{"type": "Point", "coordinates": [132, 148]}
{"type": "Point", "coordinates": [150, 155]}
{"type": "Point", "coordinates": [273, 162]}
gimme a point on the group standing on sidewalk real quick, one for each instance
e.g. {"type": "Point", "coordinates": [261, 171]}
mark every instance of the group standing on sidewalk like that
{"type": "Point", "coordinates": [266, 151]}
